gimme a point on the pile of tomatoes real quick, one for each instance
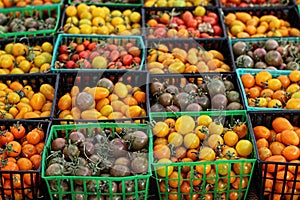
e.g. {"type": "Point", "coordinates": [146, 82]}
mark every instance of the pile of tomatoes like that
{"type": "Point", "coordinates": [163, 58]}
{"type": "Point", "coordinates": [102, 54]}
{"type": "Point", "coordinates": [20, 58]}
{"type": "Point", "coordinates": [243, 3]}
{"type": "Point", "coordinates": [21, 101]}
{"type": "Point", "coordinates": [9, 3]}
{"type": "Point", "coordinates": [97, 157]}
{"type": "Point", "coordinates": [84, 19]}
{"type": "Point", "coordinates": [199, 23]}
{"type": "Point", "coordinates": [247, 24]}
{"type": "Point", "coordinates": [21, 150]}
{"type": "Point", "coordinates": [267, 91]}
{"type": "Point", "coordinates": [184, 140]}
{"type": "Point", "coordinates": [279, 143]}
{"type": "Point", "coordinates": [105, 101]}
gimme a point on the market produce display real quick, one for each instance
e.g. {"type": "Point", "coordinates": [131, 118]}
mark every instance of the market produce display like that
{"type": "Point", "coordinates": [252, 3]}
{"type": "Point", "coordinates": [255, 23]}
{"type": "Point", "coordinates": [183, 23]}
{"type": "Point", "coordinates": [21, 99]}
{"type": "Point", "coordinates": [86, 19]}
{"type": "Point", "coordinates": [270, 54]}
{"type": "Point", "coordinates": [98, 53]}
{"type": "Point", "coordinates": [194, 94]}
{"type": "Point", "coordinates": [21, 148]}
{"type": "Point", "coordinates": [188, 57]}
{"type": "Point", "coordinates": [29, 21]}
{"type": "Point", "coordinates": [277, 139]}
{"type": "Point", "coordinates": [224, 151]}
{"type": "Point", "coordinates": [86, 159]}
{"type": "Point", "coordinates": [177, 3]}
{"type": "Point", "coordinates": [26, 56]}
{"type": "Point", "coordinates": [109, 99]}
{"type": "Point", "coordinates": [154, 99]}
{"type": "Point", "coordinates": [271, 89]}
{"type": "Point", "coordinates": [9, 4]}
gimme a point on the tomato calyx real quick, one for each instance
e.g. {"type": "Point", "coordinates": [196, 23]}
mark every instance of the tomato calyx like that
{"type": "Point", "coordinates": [6, 106]}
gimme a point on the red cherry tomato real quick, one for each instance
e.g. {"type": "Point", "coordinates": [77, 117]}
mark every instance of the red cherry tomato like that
{"type": "Point", "coordinates": [92, 46]}
{"type": "Point", "coordinates": [192, 23]}
{"type": "Point", "coordinates": [187, 16]}
{"type": "Point", "coordinates": [210, 20]}
{"type": "Point", "coordinates": [137, 60]}
{"type": "Point", "coordinates": [179, 21]}
{"type": "Point", "coordinates": [213, 15]}
{"type": "Point", "coordinates": [86, 43]}
{"type": "Point", "coordinates": [217, 30]}
{"type": "Point", "coordinates": [127, 59]}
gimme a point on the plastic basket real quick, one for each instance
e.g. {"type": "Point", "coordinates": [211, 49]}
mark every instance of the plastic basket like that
{"type": "Point", "coordinates": [153, 11]}
{"type": "Point", "coordinates": [274, 73]}
{"type": "Point", "coordinates": [219, 44]}
{"type": "Point", "coordinates": [210, 3]}
{"type": "Point", "coordinates": [111, 8]}
{"type": "Point", "coordinates": [56, 131]}
{"type": "Point", "coordinates": [260, 43]}
{"type": "Point", "coordinates": [288, 13]}
{"type": "Point", "coordinates": [180, 80]}
{"type": "Point", "coordinates": [29, 41]}
{"type": "Point", "coordinates": [267, 3]}
{"type": "Point", "coordinates": [42, 11]}
{"type": "Point", "coordinates": [86, 78]}
{"type": "Point", "coordinates": [205, 187]}
{"type": "Point", "coordinates": [261, 177]}
{"type": "Point", "coordinates": [34, 189]}
{"type": "Point", "coordinates": [35, 81]}
{"type": "Point", "coordinates": [121, 41]}
{"type": "Point", "coordinates": [116, 4]}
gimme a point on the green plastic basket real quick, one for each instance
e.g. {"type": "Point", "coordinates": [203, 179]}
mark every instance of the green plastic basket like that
{"type": "Point", "coordinates": [100, 39]}
{"type": "Point", "coordinates": [117, 4]}
{"type": "Point", "coordinates": [274, 73]}
{"type": "Point", "coordinates": [43, 11]}
{"type": "Point", "coordinates": [63, 130]}
{"type": "Point", "coordinates": [206, 188]}
{"type": "Point", "coordinates": [260, 43]}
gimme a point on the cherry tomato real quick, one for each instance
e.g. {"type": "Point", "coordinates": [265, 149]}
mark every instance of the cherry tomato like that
{"type": "Point", "coordinates": [127, 59]}
{"type": "Point", "coordinates": [210, 20]}
{"type": "Point", "coordinates": [217, 30]}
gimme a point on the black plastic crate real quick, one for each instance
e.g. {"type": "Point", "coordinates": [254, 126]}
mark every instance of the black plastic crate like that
{"type": "Point", "coordinates": [211, 3]}
{"type": "Point", "coordinates": [86, 78]}
{"type": "Point", "coordinates": [287, 13]}
{"type": "Point", "coordinates": [154, 11]}
{"type": "Point", "coordinates": [262, 178]}
{"type": "Point", "coordinates": [111, 8]}
{"type": "Point", "coordinates": [36, 190]}
{"type": "Point", "coordinates": [35, 81]}
{"type": "Point", "coordinates": [29, 41]}
{"type": "Point", "coordinates": [257, 4]}
{"type": "Point", "coordinates": [220, 44]}
{"type": "Point", "coordinates": [180, 80]}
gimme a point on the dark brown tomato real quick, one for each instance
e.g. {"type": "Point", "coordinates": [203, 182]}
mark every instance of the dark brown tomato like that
{"type": "Point", "coordinates": [82, 171]}
{"type": "Point", "coordinates": [76, 137]}
{"type": "Point", "coordinates": [58, 144]}
{"type": "Point", "coordinates": [128, 186]}
{"type": "Point", "coordinates": [139, 165]}
{"type": "Point", "coordinates": [165, 99]}
{"type": "Point", "coordinates": [119, 170]}
{"type": "Point", "coordinates": [118, 147]}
